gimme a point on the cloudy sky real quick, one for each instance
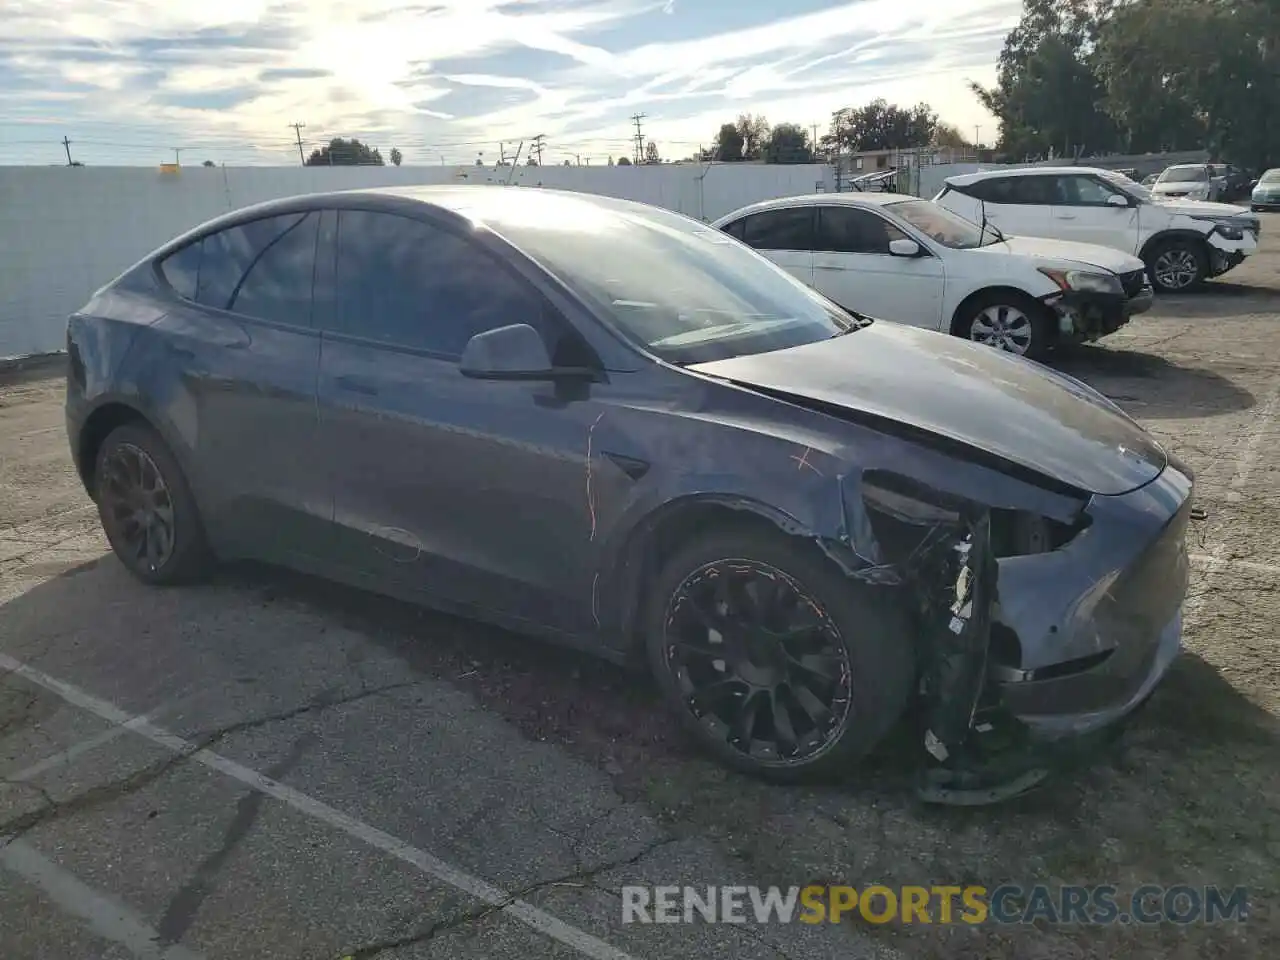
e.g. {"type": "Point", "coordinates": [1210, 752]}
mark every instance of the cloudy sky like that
{"type": "Point", "coordinates": [128, 80]}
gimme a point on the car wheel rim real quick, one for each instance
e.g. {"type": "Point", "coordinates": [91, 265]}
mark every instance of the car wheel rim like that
{"type": "Point", "coordinates": [1176, 269]}
{"type": "Point", "coordinates": [757, 662]}
{"type": "Point", "coordinates": [1002, 326]}
{"type": "Point", "coordinates": [137, 504]}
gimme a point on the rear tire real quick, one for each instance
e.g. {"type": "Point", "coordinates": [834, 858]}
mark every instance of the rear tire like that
{"type": "Point", "coordinates": [1177, 266]}
{"type": "Point", "coordinates": [1009, 321]}
{"type": "Point", "coordinates": [795, 695]}
{"type": "Point", "coordinates": [147, 510]}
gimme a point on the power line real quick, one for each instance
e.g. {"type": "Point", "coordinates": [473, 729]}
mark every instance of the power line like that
{"type": "Point", "coordinates": [636, 118]}
{"type": "Point", "coordinates": [297, 130]}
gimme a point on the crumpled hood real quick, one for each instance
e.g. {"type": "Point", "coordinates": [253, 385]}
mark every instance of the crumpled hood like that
{"type": "Point", "coordinates": [1011, 408]}
{"type": "Point", "coordinates": [1069, 252]}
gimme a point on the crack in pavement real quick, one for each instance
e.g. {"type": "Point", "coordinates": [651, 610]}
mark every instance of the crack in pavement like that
{"type": "Point", "coordinates": [106, 792]}
{"type": "Point", "coordinates": [582, 878]}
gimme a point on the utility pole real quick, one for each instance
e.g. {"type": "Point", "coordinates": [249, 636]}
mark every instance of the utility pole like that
{"type": "Point", "coordinates": [537, 147]}
{"type": "Point", "coordinates": [67, 146]}
{"type": "Point", "coordinates": [636, 118]}
{"type": "Point", "coordinates": [814, 148]}
{"type": "Point", "coordinates": [177, 156]}
{"type": "Point", "coordinates": [502, 152]}
{"type": "Point", "coordinates": [297, 130]}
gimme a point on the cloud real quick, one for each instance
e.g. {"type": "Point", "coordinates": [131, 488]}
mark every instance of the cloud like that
{"type": "Point", "coordinates": [450, 76]}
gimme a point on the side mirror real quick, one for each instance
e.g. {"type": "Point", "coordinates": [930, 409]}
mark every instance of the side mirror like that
{"type": "Point", "coordinates": [1115, 200]}
{"type": "Point", "coordinates": [904, 248]}
{"type": "Point", "coordinates": [514, 352]}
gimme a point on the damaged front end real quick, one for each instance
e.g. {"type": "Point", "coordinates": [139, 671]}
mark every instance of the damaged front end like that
{"type": "Point", "coordinates": [1084, 316]}
{"type": "Point", "coordinates": [1036, 634]}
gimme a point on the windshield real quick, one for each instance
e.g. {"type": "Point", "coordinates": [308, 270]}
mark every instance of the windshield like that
{"type": "Point", "coordinates": [1131, 187]}
{"type": "Point", "coordinates": [678, 288]}
{"type": "Point", "coordinates": [947, 228]}
{"type": "Point", "coordinates": [1184, 175]}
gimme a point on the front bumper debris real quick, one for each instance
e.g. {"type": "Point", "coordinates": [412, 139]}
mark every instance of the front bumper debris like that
{"type": "Point", "coordinates": [1069, 659]}
{"type": "Point", "coordinates": [1084, 317]}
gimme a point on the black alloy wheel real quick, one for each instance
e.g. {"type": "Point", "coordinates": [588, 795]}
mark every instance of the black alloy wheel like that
{"type": "Point", "coordinates": [758, 662]}
{"type": "Point", "coordinates": [776, 662]}
{"type": "Point", "coordinates": [146, 508]}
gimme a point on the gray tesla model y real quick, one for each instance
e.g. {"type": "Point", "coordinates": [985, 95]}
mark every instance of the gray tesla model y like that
{"type": "Point", "coordinates": [618, 428]}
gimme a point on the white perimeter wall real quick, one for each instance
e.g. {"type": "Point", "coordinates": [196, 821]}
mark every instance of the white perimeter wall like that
{"type": "Point", "coordinates": [65, 231]}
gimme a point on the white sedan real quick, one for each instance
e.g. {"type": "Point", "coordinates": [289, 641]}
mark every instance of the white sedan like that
{"type": "Point", "coordinates": [900, 258]}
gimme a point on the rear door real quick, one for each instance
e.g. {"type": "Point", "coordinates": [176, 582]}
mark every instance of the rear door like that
{"type": "Point", "coordinates": [783, 235]}
{"type": "Point", "coordinates": [242, 335]}
{"type": "Point", "coordinates": [852, 265]}
{"type": "Point", "coordinates": [1082, 211]}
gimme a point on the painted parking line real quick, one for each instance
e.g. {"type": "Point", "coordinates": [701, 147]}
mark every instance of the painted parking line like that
{"type": "Point", "coordinates": [533, 917]}
{"type": "Point", "coordinates": [103, 915]}
{"type": "Point", "coordinates": [64, 757]}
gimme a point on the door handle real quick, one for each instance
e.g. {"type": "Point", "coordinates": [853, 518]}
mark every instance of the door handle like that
{"type": "Point", "coordinates": [357, 385]}
{"type": "Point", "coordinates": [1066, 216]}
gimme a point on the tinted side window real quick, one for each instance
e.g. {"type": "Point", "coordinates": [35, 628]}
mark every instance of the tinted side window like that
{"type": "Point", "coordinates": [230, 253]}
{"type": "Point", "coordinates": [849, 230]}
{"type": "Point", "coordinates": [277, 285]}
{"type": "Point", "coordinates": [1083, 192]}
{"type": "Point", "coordinates": [407, 283]}
{"type": "Point", "coordinates": [789, 229]}
{"type": "Point", "coordinates": [182, 269]}
{"type": "Point", "coordinates": [995, 190]}
{"type": "Point", "coordinates": [737, 228]}
{"type": "Point", "coordinates": [1035, 191]}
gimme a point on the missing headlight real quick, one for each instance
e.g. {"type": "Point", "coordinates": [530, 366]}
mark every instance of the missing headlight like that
{"type": "Point", "coordinates": [1015, 533]}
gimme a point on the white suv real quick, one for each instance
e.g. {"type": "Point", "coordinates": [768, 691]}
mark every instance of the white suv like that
{"type": "Point", "coordinates": [1181, 242]}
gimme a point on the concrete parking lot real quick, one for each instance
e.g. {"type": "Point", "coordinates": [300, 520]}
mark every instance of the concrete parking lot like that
{"type": "Point", "coordinates": [267, 766]}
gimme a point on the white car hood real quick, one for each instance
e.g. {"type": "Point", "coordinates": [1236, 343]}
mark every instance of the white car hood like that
{"type": "Point", "coordinates": [1202, 208]}
{"type": "Point", "coordinates": [1089, 254]}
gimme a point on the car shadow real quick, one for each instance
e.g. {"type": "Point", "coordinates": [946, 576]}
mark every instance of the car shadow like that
{"type": "Point", "coordinates": [1150, 386]}
{"type": "Point", "coordinates": [1216, 298]}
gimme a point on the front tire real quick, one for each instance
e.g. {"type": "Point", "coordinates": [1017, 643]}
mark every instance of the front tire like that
{"type": "Point", "coordinates": [1008, 321]}
{"type": "Point", "coordinates": [1177, 266]}
{"type": "Point", "coordinates": [146, 508]}
{"type": "Point", "coordinates": [775, 662]}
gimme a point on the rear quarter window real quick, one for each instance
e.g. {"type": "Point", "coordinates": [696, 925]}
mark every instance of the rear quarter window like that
{"type": "Point", "coordinates": [181, 269]}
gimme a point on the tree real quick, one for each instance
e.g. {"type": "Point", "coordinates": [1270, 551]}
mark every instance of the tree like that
{"type": "Point", "coordinates": [754, 131]}
{"type": "Point", "coordinates": [788, 143]}
{"type": "Point", "coordinates": [568, 164]}
{"type": "Point", "coordinates": [344, 153]}
{"type": "Point", "coordinates": [1048, 94]}
{"type": "Point", "coordinates": [728, 144]}
{"type": "Point", "coordinates": [531, 162]}
{"type": "Point", "coordinates": [395, 156]}
{"type": "Point", "coordinates": [624, 162]}
{"type": "Point", "coordinates": [947, 136]}
{"type": "Point", "coordinates": [881, 126]}
{"type": "Point", "coordinates": [208, 163]}
{"type": "Point", "coordinates": [1208, 76]}
{"type": "Point", "coordinates": [651, 153]}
